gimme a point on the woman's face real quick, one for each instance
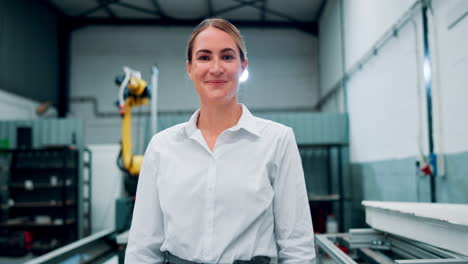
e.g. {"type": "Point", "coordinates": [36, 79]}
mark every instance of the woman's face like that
{"type": "Point", "coordinates": [216, 66]}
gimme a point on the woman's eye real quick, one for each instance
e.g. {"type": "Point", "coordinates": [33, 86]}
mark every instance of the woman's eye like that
{"type": "Point", "coordinates": [203, 58]}
{"type": "Point", "coordinates": [228, 57]}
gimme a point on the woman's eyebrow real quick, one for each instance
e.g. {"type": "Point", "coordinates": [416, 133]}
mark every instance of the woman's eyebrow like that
{"type": "Point", "coordinates": [228, 49]}
{"type": "Point", "coordinates": [205, 51]}
{"type": "Point", "coordinates": [209, 51]}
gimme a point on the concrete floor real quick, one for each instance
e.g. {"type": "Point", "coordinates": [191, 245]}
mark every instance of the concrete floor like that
{"type": "Point", "coordinates": [20, 260]}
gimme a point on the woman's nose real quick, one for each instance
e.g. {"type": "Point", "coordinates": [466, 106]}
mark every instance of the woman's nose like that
{"type": "Point", "coordinates": [217, 67]}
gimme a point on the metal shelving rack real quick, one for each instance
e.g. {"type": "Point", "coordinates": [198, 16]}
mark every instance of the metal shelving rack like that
{"type": "Point", "coordinates": [45, 195]}
{"type": "Point", "coordinates": [332, 196]}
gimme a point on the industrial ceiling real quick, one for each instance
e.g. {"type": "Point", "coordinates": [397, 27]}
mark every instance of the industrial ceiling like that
{"type": "Point", "coordinates": [301, 14]}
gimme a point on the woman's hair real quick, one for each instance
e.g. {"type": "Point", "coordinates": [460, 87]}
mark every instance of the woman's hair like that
{"type": "Point", "coordinates": [221, 24]}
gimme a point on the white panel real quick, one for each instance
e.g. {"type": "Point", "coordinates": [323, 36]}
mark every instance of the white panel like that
{"type": "Point", "coordinates": [386, 100]}
{"type": "Point", "coordinates": [450, 54]}
{"type": "Point", "coordinates": [106, 186]}
{"type": "Point", "coordinates": [366, 21]}
{"type": "Point", "coordinates": [440, 225]}
{"type": "Point", "coordinates": [330, 47]}
{"type": "Point", "coordinates": [13, 107]}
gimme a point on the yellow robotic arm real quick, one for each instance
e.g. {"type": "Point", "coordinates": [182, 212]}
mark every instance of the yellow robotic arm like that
{"type": "Point", "coordinates": [134, 91]}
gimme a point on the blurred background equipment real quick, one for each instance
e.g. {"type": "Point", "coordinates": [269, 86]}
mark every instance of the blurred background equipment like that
{"type": "Point", "coordinates": [133, 92]}
{"type": "Point", "coordinates": [401, 233]}
{"type": "Point", "coordinates": [45, 186]}
{"type": "Point", "coordinates": [46, 110]}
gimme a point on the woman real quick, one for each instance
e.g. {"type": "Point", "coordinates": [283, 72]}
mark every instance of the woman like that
{"type": "Point", "coordinates": [224, 187]}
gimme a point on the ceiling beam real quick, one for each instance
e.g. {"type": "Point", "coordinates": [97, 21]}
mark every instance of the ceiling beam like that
{"type": "Point", "coordinates": [164, 20]}
{"type": "Point", "coordinates": [80, 22]}
{"type": "Point", "coordinates": [209, 3]}
{"type": "Point", "coordinates": [309, 27]}
{"type": "Point", "coordinates": [110, 12]}
{"type": "Point", "coordinates": [233, 7]}
{"type": "Point", "coordinates": [92, 10]}
{"type": "Point", "coordinates": [226, 9]}
{"type": "Point", "coordinates": [268, 10]}
{"type": "Point", "coordinates": [263, 14]}
{"type": "Point", "coordinates": [139, 9]}
{"type": "Point", "coordinates": [52, 7]}
{"type": "Point", "coordinates": [107, 8]}
{"type": "Point", "coordinates": [159, 11]}
{"type": "Point", "coordinates": [320, 11]}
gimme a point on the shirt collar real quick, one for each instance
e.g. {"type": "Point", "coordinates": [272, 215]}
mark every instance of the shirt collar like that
{"type": "Point", "coordinates": [246, 122]}
{"type": "Point", "coordinates": [191, 126]}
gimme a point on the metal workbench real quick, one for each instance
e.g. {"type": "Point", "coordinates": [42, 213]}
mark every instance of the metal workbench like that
{"type": "Point", "coordinates": [402, 233]}
{"type": "Point", "coordinates": [372, 246]}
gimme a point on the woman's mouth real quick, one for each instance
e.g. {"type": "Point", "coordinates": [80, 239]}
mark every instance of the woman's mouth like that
{"type": "Point", "coordinates": [216, 82]}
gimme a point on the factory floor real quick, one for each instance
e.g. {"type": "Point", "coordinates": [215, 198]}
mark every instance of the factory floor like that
{"type": "Point", "coordinates": [113, 260]}
{"type": "Point", "coordinates": [19, 260]}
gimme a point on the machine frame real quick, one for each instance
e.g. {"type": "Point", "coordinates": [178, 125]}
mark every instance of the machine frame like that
{"type": "Point", "coordinates": [369, 244]}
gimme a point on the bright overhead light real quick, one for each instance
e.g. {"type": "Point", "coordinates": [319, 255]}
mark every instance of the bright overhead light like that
{"type": "Point", "coordinates": [244, 76]}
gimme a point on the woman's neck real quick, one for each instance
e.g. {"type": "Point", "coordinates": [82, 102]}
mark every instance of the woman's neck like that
{"type": "Point", "coordinates": [214, 119]}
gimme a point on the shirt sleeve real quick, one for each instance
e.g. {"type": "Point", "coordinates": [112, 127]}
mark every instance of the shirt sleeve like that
{"type": "Point", "coordinates": [293, 224]}
{"type": "Point", "coordinates": [147, 231]}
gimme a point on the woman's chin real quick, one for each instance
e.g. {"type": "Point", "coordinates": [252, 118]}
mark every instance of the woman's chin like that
{"type": "Point", "coordinates": [220, 99]}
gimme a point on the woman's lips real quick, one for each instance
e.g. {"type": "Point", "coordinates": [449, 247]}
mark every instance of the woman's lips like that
{"type": "Point", "coordinates": [216, 81]}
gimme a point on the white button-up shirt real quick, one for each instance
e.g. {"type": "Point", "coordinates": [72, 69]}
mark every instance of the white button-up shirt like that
{"type": "Point", "coordinates": [245, 198]}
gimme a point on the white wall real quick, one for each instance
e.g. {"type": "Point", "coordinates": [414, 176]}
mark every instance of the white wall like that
{"type": "Point", "coordinates": [106, 184]}
{"type": "Point", "coordinates": [14, 107]}
{"type": "Point", "coordinates": [283, 69]}
{"type": "Point", "coordinates": [450, 56]}
{"type": "Point", "coordinates": [330, 46]}
{"type": "Point", "coordinates": [385, 98]}
{"type": "Point", "coordinates": [365, 21]}
{"type": "Point", "coordinates": [283, 66]}
{"type": "Point", "coordinates": [331, 59]}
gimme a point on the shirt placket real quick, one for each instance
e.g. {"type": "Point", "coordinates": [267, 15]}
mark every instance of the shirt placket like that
{"type": "Point", "coordinates": [210, 207]}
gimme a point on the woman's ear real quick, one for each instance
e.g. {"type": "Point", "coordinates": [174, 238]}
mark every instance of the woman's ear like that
{"type": "Point", "coordinates": [188, 67]}
{"type": "Point", "coordinates": [245, 63]}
